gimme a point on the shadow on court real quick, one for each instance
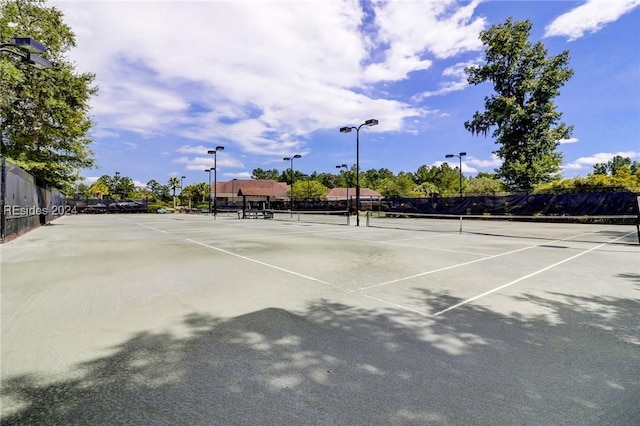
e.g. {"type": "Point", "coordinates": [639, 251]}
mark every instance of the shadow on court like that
{"type": "Point", "coordinates": [337, 364]}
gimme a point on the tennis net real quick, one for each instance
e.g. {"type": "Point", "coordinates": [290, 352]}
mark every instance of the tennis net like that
{"type": "Point", "coordinates": [339, 217]}
{"type": "Point", "coordinates": [617, 229]}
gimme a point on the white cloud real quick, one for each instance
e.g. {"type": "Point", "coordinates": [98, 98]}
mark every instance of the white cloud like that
{"type": "Point", "coordinates": [200, 149]}
{"type": "Point", "coordinates": [566, 141]}
{"type": "Point", "coordinates": [260, 75]}
{"type": "Point", "coordinates": [601, 157]}
{"type": "Point", "coordinates": [589, 17]}
{"type": "Point", "coordinates": [411, 30]}
{"type": "Point", "coordinates": [494, 162]}
{"type": "Point", "coordinates": [459, 82]}
{"type": "Point", "coordinates": [206, 162]}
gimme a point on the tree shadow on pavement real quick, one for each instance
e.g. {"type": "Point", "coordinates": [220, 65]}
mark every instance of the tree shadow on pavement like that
{"type": "Point", "coordinates": [339, 364]}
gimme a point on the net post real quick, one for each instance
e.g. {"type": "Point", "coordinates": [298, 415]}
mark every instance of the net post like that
{"type": "Point", "coordinates": [460, 230]}
{"type": "Point", "coordinates": [348, 218]}
{"type": "Point", "coordinates": [368, 218]}
{"type": "Point", "coordinates": [638, 219]}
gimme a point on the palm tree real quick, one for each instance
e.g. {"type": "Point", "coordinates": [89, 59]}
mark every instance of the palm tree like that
{"type": "Point", "coordinates": [174, 183]}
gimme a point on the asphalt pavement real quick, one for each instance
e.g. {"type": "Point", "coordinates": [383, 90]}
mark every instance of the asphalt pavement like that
{"type": "Point", "coordinates": [180, 319]}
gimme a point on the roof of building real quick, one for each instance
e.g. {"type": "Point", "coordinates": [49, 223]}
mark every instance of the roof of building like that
{"type": "Point", "coordinates": [341, 193]}
{"type": "Point", "coordinates": [252, 187]}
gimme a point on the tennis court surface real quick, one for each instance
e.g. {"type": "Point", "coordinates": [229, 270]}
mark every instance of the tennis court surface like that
{"type": "Point", "coordinates": [180, 319]}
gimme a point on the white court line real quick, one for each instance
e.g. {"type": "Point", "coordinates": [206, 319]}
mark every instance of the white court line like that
{"type": "Point", "coordinates": [151, 227]}
{"type": "Point", "coordinates": [267, 235]}
{"type": "Point", "coordinates": [266, 264]}
{"type": "Point", "coordinates": [438, 235]}
{"type": "Point", "coordinates": [433, 248]}
{"type": "Point", "coordinates": [398, 305]}
{"type": "Point", "coordinates": [341, 237]}
{"type": "Point", "coordinates": [468, 263]}
{"type": "Point", "coordinates": [464, 302]}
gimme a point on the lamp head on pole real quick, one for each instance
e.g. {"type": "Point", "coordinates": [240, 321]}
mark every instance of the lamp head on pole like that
{"type": "Point", "coordinates": [297, 156]}
{"type": "Point", "coordinates": [345, 129]}
{"type": "Point", "coordinates": [449, 156]}
{"type": "Point", "coordinates": [28, 44]}
{"type": "Point", "coordinates": [27, 49]}
{"type": "Point", "coordinates": [371, 122]}
{"type": "Point", "coordinates": [462, 154]}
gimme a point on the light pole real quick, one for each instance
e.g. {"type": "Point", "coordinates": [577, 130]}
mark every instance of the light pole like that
{"type": "Point", "coordinates": [292, 179]}
{"type": "Point", "coordinates": [346, 168]}
{"type": "Point", "coordinates": [26, 48]}
{"type": "Point", "coordinates": [347, 129]}
{"type": "Point", "coordinates": [117, 181]}
{"type": "Point", "coordinates": [462, 154]}
{"type": "Point", "coordinates": [209, 171]}
{"type": "Point", "coordinates": [181, 200]}
{"type": "Point", "coordinates": [233, 192]}
{"type": "Point", "coordinates": [215, 178]}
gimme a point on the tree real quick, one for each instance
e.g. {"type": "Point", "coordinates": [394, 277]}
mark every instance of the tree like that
{"type": "Point", "coordinates": [427, 189]}
{"type": "Point", "coordinates": [398, 186]}
{"type": "Point", "coordinates": [527, 124]}
{"type": "Point", "coordinates": [174, 183]}
{"type": "Point", "coordinates": [195, 194]}
{"type": "Point", "coordinates": [159, 192]}
{"type": "Point", "coordinates": [422, 175]}
{"type": "Point", "coordinates": [329, 180]}
{"type": "Point", "coordinates": [98, 189]}
{"type": "Point", "coordinates": [612, 166]}
{"type": "Point", "coordinates": [82, 190]}
{"type": "Point", "coordinates": [484, 185]}
{"type": "Point", "coordinates": [44, 114]}
{"type": "Point", "coordinates": [260, 174]}
{"type": "Point", "coordinates": [124, 186]}
{"type": "Point", "coordinates": [309, 190]}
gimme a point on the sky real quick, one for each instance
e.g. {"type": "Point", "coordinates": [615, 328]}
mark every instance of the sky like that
{"type": "Point", "coordinates": [269, 79]}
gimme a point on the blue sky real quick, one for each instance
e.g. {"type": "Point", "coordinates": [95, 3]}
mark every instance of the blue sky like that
{"type": "Point", "coordinates": [270, 79]}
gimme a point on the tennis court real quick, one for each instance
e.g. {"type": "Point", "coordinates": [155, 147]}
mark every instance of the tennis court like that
{"type": "Point", "coordinates": [183, 319]}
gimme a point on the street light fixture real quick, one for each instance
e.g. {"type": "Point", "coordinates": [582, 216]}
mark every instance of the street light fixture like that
{"type": "Point", "coordinates": [460, 155]}
{"type": "Point", "coordinates": [292, 179]}
{"type": "Point", "coordinates": [347, 179]}
{"type": "Point", "coordinates": [347, 129]}
{"type": "Point", "coordinates": [209, 171]}
{"type": "Point", "coordinates": [26, 48]}
{"type": "Point", "coordinates": [215, 179]}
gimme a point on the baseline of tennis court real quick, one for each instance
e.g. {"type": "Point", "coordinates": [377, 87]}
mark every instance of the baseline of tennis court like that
{"type": "Point", "coordinates": [195, 319]}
